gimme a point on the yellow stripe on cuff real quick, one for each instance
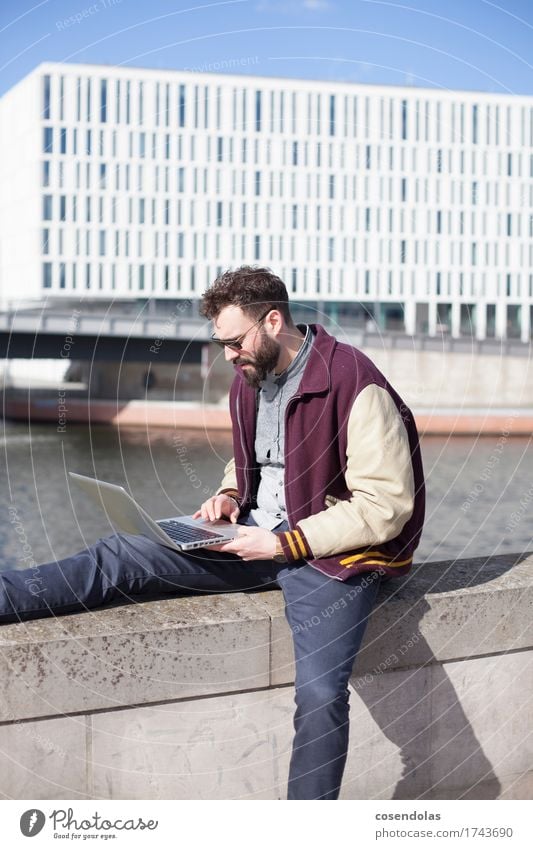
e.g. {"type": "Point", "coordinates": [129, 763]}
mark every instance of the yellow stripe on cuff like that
{"type": "Point", "coordinates": [300, 542]}
{"type": "Point", "coordinates": [294, 550]}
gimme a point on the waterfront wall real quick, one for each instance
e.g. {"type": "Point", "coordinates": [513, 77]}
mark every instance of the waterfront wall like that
{"type": "Point", "coordinates": [192, 697]}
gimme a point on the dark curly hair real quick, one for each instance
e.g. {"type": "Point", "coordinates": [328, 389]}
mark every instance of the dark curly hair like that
{"type": "Point", "coordinates": [251, 288]}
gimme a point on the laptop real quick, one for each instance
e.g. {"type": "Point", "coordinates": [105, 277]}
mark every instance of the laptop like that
{"type": "Point", "coordinates": [181, 533]}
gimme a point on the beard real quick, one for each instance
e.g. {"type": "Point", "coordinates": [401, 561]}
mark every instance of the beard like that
{"type": "Point", "coordinates": [265, 361]}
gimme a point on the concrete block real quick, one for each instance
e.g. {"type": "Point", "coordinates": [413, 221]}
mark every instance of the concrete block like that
{"type": "Point", "coordinates": [482, 727]}
{"type": "Point", "coordinates": [225, 747]}
{"type": "Point", "coordinates": [44, 759]}
{"type": "Point", "coordinates": [451, 610]}
{"type": "Point", "coordinates": [134, 654]}
{"type": "Point", "coordinates": [390, 718]}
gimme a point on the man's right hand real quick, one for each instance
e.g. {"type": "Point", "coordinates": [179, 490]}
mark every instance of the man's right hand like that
{"type": "Point", "coordinates": [219, 506]}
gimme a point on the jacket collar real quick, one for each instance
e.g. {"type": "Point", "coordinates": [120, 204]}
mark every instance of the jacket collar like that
{"type": "Point", "coordinates": [317, 375]}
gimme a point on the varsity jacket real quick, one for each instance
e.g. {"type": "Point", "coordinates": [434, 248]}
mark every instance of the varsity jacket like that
{"type": "Point", "coordinates": [354, 482]}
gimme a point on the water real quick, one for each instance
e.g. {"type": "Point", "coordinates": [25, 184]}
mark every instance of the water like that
{"type": "Point", "coordinates": [474, 487]}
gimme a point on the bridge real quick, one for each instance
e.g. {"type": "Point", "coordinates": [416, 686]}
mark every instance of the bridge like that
{"type": "Point", "coordinates": [83, 333]}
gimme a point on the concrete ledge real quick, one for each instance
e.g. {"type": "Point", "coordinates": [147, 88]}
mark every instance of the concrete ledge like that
{"type": "Point", "coordinates": [192, 697]}
{"type": "Point", "coordinates": [134, 654]}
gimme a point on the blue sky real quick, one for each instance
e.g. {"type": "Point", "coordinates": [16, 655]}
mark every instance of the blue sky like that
{"type": "Point", "coordinates": [468, 44]}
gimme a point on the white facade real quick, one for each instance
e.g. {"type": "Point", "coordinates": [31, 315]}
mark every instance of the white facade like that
{"type": "Point", "coordinates": [123, 183]}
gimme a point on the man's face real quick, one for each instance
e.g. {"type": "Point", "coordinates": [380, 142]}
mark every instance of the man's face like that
{"type": "Point", "coordinates": [260, 351]}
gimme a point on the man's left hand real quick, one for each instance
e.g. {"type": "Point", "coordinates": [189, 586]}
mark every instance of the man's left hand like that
{"type": "Point", "coordinates": [251, 544]}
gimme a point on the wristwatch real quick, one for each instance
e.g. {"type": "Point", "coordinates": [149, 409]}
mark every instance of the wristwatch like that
{"type": "Point", "coordinates": [279, 556]}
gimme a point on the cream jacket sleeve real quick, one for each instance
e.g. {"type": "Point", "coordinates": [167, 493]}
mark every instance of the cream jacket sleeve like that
{"type": "Point", "coordinates": [229, 481]}
{"type": "Point", "coordinates": [379, 474]}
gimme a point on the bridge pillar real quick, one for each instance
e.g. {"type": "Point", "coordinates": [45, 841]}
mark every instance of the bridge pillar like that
{"type": "Point", "coordinates": [525, 323]}
{"type": "Point", "coordinates": [409, 317]}
{"type": "Point", "coordinates": [481, 321]}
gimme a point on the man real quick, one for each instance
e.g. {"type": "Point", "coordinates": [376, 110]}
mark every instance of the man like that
{"type": "Point", "coordinates": [327, 483]}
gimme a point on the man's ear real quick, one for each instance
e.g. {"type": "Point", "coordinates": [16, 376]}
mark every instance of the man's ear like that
{"type": "Point", "coordinates": [275, 321]}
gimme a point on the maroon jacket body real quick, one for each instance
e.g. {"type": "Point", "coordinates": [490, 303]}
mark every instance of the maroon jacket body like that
{"type": "Point", "coordinates": [315, 451]}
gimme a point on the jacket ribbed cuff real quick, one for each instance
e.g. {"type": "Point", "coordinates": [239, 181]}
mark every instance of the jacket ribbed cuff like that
{"type": "Point", "coordinates": [295, 545]}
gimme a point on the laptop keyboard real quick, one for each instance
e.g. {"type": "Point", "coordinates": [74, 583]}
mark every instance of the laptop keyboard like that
{"type": "Point", "coordinates": [179, 532]}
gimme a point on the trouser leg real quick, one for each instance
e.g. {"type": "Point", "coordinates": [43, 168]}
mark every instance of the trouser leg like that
{"type": "Point", "coordinates": [120, 568]}
{"type": "Point", "coordinates": [327, 618]}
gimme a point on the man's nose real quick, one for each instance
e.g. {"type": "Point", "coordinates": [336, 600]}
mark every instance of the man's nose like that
{"type": "Point", "coordinates": [230, 354]}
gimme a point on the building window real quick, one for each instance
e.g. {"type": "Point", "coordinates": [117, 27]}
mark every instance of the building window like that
{"type": "Point", "coordinates": [46, 97]}
{"type": "Point", "coordinates": [46, 173]}
{"type": "Point", "coordinates": [404, 120]}
{"type": "Point", "coordinates": [128, 102]}
{"type": "Point", "coordinates": [47, 207]}
{"type": "Point", "coordinates": [295, 153]}
{"type": "Point", "coordinates": [181, 106]}
{"type": "Point", "coordinates": [47, 275]}
{"type": "Point", "coordinates": [257, 247]}
{"type": "Point", "coordinates": [46, 241]}
{"type": "Point", "coordinates": [218, 218]}
{"type": "Point", "coordinates": [48, 140]}
{"type": "Point", "coordinates": [181, 179]}
{"type": "Point", "coordinates": [257, 182]}
{"type": "Point", "coordinates": [62, 208]}
{"type": "Point", "coordinates": [103, 101]}
{"type": "Point", "coordinates": [332, 114]}
{"type": "Point", "coordinates": [474, 123]}
{"type": "Point", "coordinates": [404, 189]}
{"type": "Point", "coordinates": [258, 111]}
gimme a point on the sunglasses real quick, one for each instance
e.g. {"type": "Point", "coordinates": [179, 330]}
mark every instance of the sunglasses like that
{"type": "Point", "coordinates": [236, 344]}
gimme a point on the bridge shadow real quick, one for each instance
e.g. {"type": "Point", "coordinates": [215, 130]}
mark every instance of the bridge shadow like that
{"type": "Point", "coordinates": [416, 705]}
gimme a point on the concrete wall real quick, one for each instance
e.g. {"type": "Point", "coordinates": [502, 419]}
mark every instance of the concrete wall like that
{"type": "Point", "coordinates": [191, 697]}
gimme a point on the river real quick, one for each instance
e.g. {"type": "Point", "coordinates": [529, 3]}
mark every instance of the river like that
{"type": "Point", "coordinates": [479, 490]}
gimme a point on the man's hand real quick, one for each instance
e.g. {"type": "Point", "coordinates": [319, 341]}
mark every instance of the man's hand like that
{"type": "Point", "coordinates": [219, 506]}
{"type": "Point", "coordinates": [251, 543]}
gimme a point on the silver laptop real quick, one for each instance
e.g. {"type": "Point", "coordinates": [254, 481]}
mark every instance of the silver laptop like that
{"type": "Point", "coordinates": [182, 533]}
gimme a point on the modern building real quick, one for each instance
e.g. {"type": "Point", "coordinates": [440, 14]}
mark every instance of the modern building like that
{"type": "Point", "coordinates": [410, 205]}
